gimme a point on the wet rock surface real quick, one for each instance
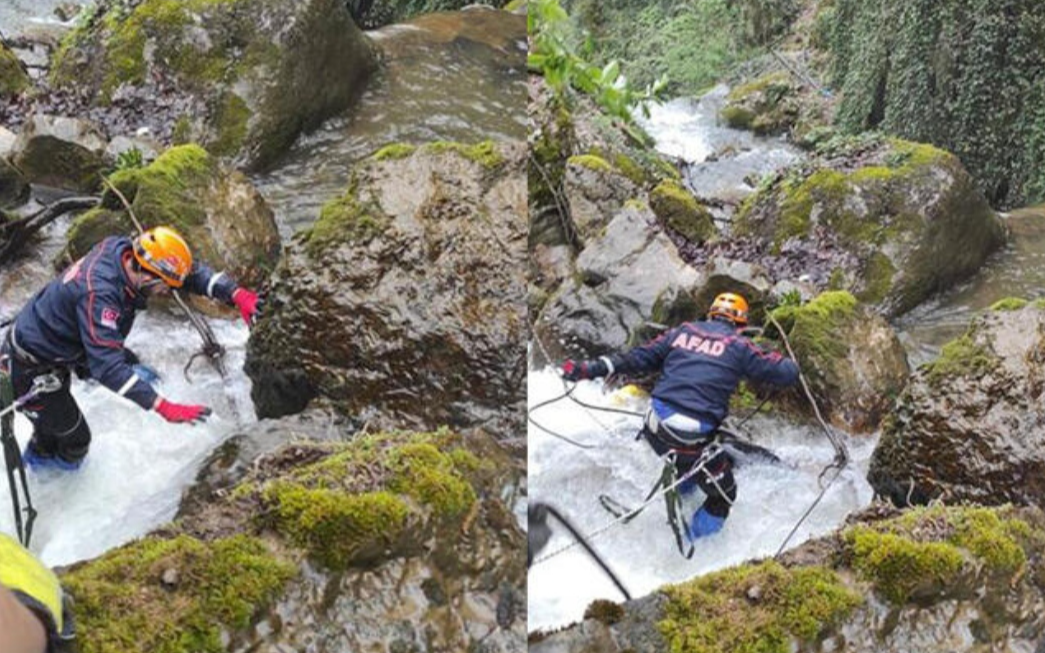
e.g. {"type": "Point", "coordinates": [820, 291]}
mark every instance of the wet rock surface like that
{"type": "Point", "coordinates": [969, 426]}
{"type": "Point", "coordinates": [404, 303]}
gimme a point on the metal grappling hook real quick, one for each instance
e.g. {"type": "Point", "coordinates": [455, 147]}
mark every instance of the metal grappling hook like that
{"type": "Point", "coordinates": [43, 384]}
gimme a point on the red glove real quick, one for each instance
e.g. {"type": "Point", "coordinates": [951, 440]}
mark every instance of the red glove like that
{"type": "Point", "coordinates": [180, 413]}
{"type": "Point", "coordinates": [247, 303]}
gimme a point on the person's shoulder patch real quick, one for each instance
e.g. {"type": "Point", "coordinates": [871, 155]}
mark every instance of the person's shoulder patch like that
{"type": "Point", "coordinates": [110, 316]}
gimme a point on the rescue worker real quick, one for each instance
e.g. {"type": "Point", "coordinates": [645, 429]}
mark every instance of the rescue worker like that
{"type": "Point", "coordinates": [80, 320]}
{"type": "Point", "coordinates": [701, 364]}
{"type": "Point", "coordinates": [33, 614]}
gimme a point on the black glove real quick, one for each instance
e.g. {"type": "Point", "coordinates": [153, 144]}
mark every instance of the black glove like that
{"type": "Point", "coordinates": [578, 370]}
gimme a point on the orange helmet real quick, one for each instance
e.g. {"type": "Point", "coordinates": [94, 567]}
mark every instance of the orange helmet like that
{"type": "Point", "coordinates": [731, 306]}
{"type": "Point", "coordinates": [162, 251]}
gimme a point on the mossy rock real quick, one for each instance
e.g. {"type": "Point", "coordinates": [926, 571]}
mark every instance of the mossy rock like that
{"type": "Point", "coordinates": [928, 550]}
{"type": "Point", "coordinates": [755, 608]}
{"type": "Point", "coordinates": [679, 210]}
{"type": "Point", "coordinates": [766, 105]}
{"type": "Point", "coordinates": [173, 596]}
{"type": "Point", "coordinates": [261, 71]}
{"type": "Point", "coordinates": [905, 218]}
{"type": "Point", "coordinates": [412, 482]}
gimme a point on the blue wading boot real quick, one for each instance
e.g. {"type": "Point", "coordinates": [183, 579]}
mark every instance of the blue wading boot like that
{"type": "Point", "coordinates": [39, 461]}
{"type": "Point", "coordinates": [704, 524]}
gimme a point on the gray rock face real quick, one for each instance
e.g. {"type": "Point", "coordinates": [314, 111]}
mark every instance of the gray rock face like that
{"type": "Point", "coordinates": [62, 152]}
{"type": "Point", "coordinates": [971, 425]}
{"type": "Point", "coordinates": [259, 71]}
{"type": "Point", "coordinates": [404, 305]}
{"type": "Point", "coordinates": [628, 275]}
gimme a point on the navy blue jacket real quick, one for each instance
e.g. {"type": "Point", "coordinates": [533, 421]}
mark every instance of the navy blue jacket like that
{"type": "Point", "coordinates": [82, 317]}
{"type": "Point", "coordinates": [701, 365]}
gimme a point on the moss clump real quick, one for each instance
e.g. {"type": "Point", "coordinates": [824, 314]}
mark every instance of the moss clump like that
{"type": "Point", "coordinates": [13, 79]}
{"type": "Point", "coordinates": [1008, 304]}
{"type": "Point", "coordinates": [592, 162]}
{"type": "Point", "coordinates": [346, 219]}
{"type": "Point", "coordinates": [815, 327]}
{"type": "Point", "coordinates": [899, 566]}
{"type": "Point", "coordinates": [484, 153]}
{"type": "Point", "coordinates": [680, 211]}
{"type": "Point", "coordinates": [394, 152]}
{"type": "Point", "coordinates": [123, 603]}
{"type": "Point", "coordinates": [167, 191]}
{"type": "Point", "coordinates": [878, 275]}
{"type": "Point", "coordinates": [925, 548]}
{"type": "Point", "coordinates": [352, 507]}
{"type": "Point", "coordinates": [754, 608]}
{"type": "Point", "coordinates": [961, 357]}
{"type": "Point", "coordinates": [630, 168]}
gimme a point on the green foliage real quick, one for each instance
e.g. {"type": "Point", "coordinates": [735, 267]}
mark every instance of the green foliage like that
{"type": "Point", "coordinates": [130, 159]}
{"type": "Point", "coordinates": [754, 608]}
{"type": "Point", "coordinates": [791, 298]}
{"type": "Point", "coordinates": [556, 53]}
{"type": "Point", "coordinates": [966, 76]}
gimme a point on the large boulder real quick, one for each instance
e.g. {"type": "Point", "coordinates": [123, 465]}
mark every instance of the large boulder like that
{"type": "Point", "coordinates": [969, 426]}
{"type": "Point", "coordinates": [404, 302]}
{"type": "Point", "coordinates": [316, 546]}
{"type": "Point", "coordinates": [260, 71]}
{"type": "Point", "coordinates": [852, 358]}
{"type": "Point", "coordinates": [902, 220]}
{"type": "Point", "coordinates": [66, 153]}
{"type": "Point", "coordinates": [625, 277]}
{"type": "Point", "coordinates": [219, 211]}
{"type": "Point", "coordinates": [932, 580]}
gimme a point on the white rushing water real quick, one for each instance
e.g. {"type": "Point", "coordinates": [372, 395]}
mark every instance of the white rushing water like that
{"type": "Point", "coordinates": [138, 466]}
{"type": "Point", "coordinates": [771, 499]}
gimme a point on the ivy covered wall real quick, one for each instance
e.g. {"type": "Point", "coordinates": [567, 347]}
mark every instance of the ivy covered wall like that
{"type": "Point", "coordinates": [965, 75]}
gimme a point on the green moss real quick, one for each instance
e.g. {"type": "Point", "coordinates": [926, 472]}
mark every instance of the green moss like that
{"type": "Point", "coordinates": [514, 5]}
{"type": "Point", "coordinates": [630, 168]}
{"type": "Point", "coordinates": [167, 190]}
{"type": "Point", "coordinates": [338, 529]}
{"type": "Point", "coordinates": [1008, 304]}
{"type": "Point", "coordinates": [484, 153]}
{"type": "Point", "coordinates": [824, 186]}
{"type": "Point", "coordinates": [231, 119]}
{"type": "Point", "coordinates": [878, 278]}
{"type": "Point", "coordinates": [124, 605]}
{"type": "Point", "coordinates": [898, 566]}
{"type": "Point", "coordinates": [592, 162]}
{"type": "Point", "coordinates": [763, 84]}
{"type": "Point", "coordinates": [352, 507]}
{"type": "Point", "coordinates": [429, 476]}
{"type": "Point", "coordinates": [394, 151]}
{"type": "Point", "coordinates": [13, 79]}
{"type": "Point", "coordinates": [346, 219]}
{"type": "Point", "coordinates": [961, 357]}
{"type": "Point", "coordinates": [754, 608]}
{"type": "Point", "coordinates": [922, 550]}
{"type": "Point", "coordinates": [737, 117]}
{"type": "Point", "coordinates": [680, 211]}
{"type": "Point", "coordinates": [814, 327]}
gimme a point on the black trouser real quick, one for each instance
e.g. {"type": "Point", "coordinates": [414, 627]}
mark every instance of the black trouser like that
{"type": "Point", "coordinates": [59, 428]}
{"type": "Point", "coordinates": [715, 479]}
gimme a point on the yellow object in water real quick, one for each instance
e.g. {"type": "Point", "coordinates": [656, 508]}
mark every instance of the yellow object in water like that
{"type": "Point", "coordinates": [629, 395]}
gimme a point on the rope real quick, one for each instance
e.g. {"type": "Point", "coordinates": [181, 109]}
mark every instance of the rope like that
{"type": "Point", "coordinates": [841, 460]}
{"type": "Point", "coordinates": [539, 510]}
{"type": "Point", "coordinates": [628, 516]}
